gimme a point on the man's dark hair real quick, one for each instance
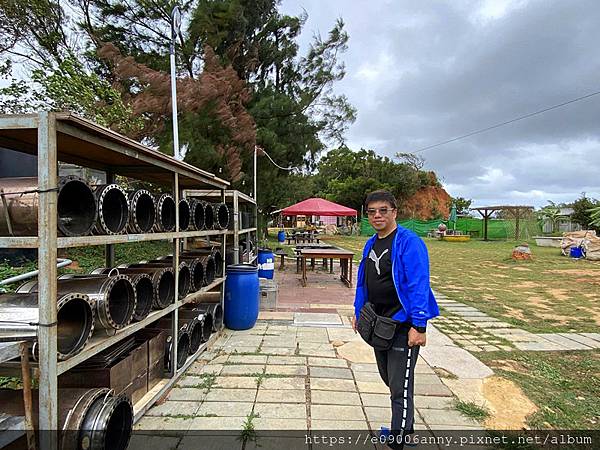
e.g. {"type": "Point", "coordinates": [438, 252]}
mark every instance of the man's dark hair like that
{"type": "Point", "coordinates": [381, 196]}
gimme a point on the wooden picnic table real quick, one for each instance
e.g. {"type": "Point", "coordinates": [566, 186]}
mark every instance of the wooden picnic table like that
{"type": "Point", "coordinates": [305, 237]}
{"type": "Point", "coordinates": [345, 257]}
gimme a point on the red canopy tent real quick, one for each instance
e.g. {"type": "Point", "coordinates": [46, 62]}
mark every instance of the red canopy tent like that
{"type": "Point", "coordinates": [318, 207]}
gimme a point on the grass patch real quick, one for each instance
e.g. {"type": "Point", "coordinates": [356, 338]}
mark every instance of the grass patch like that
{"type": "Point", "coordinates": [472, 410]}
{"type": "Point", "coordinates": [564, 385]}
{"type": "Point", "coordinates": [262, 376]}
{"type": "Point", "coordinates": [248, 432]}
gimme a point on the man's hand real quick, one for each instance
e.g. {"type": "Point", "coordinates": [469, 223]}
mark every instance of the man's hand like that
{"type": "Point", "coordinates": [354, 322]}
{"type": "Point", "coordinates": [416, 338]}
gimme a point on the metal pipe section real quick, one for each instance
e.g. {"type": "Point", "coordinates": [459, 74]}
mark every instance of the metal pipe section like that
{"type": "Point", "coordinates": [62, 262]}
{"type": "Point", "coordinates": [216, 311]}
{"type": "Point", "coordinates": [184, 214]}
{"type": "Point", "coordinates": [114, 296]}
{"type": "Point", "coordinates": [19, 203]}
{"type": "Point", "coordinates": [196, 270]}
{"type": "Point", "coordinates": [209, 216]}
{"type": "Point", "coordinates": [163, 282]}
{"type": "Point", "coordinates": [221, 214]}
{"type": "Point", "coordinates": [183, 345]}
{"type": "Point", "coordinates": [88, 418]}
{"type": "Point", "coordinates": [113, 209]}
{"type": "Point", "coordinates": [165, 213]}
{"type": "Point", "coordinates": [197, 214]}
{"type": "Point", "coordinates": [184, 273]}
{"type": "Point", "coordinates": [19, 316]}
{"type": "Point", "coordinates": [142, 211]}
{"type": "Point", "coordinates": [144, 293]}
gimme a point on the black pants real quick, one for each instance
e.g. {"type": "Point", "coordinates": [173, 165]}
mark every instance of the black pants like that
{"type": "Point", "coordinates": [397, 368]}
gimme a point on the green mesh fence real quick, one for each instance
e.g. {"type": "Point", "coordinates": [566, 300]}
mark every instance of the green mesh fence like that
{"type": "Point", "coordinates": [497, 229]}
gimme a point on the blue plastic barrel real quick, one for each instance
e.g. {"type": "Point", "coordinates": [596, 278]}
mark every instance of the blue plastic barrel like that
{"type": "Point", "coordinates": [266, 263]}
{"type": "Point", "coordinates": [576, 252]}
{"type": "Point", "coordinates": [281, 236]}
{"type": "Point", "coordinates": [241, 296]}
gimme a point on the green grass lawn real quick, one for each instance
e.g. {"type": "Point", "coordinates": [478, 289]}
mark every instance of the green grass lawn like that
{"type": "Point", "coordinates": [552, 293]}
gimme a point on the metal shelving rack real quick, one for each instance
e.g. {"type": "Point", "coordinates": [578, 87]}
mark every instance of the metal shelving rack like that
{"type": "Point", "coordinates": [64, 137]}
{"type": "Point", "coordinates": [236, 198]}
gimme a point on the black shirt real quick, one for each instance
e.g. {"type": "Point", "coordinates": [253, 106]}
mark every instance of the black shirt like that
{"type": "Point", "coordinates": [380, 283]}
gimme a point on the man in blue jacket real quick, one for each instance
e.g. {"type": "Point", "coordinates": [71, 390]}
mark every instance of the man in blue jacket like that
{"type": "Point", "coordinates": [393, 276]}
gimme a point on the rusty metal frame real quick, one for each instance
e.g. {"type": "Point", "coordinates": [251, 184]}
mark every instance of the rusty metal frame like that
{"type": "Point", "coordinates": [48, 125]}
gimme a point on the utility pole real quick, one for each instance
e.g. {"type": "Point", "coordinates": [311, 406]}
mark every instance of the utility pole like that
{"type": "Point", "coordinates": [175, 30]}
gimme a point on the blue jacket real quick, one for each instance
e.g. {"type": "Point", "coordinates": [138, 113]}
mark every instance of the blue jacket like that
{"type": "Point", "coordinates": [410, 272]}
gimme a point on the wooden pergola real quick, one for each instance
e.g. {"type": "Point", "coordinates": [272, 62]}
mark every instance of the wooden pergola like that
{"type": "Point", "coordinates": [517, 213]}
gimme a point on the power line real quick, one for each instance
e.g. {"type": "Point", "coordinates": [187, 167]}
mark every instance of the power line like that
{"type": "Point", "coordinates": [498, 125]}
{"type": "Point", "coordinates": [275, 164]}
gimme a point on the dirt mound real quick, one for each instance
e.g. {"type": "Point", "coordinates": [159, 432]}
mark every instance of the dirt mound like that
{"type": "Point", "coordinates": [508, 405]}
{"type": "Point", "coordinates": [427, 203]}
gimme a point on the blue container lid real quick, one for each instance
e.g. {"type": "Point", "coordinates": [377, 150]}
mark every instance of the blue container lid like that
{"type": "Point", "coordinates": [242, 268]}
{"type": "Point", "coordinates": [265, 250]}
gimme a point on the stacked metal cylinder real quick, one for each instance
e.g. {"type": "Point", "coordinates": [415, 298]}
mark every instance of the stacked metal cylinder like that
{"type": "Point", "coordinates": [106, 209]}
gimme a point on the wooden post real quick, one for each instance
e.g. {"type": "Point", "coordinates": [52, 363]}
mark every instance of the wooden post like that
{"type": "Point", "coordinates": [47, 233]}
{"type": "Point", "coordinates": [27, 403]}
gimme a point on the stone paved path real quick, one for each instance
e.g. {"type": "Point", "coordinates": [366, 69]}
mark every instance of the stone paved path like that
{"type": "Point", "coordinates": [475, 331]}
{"type": "Point", "coordinates": [293, 378]}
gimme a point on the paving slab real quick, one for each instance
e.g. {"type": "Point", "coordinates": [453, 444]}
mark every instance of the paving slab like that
{"type": "Point", "coordinates": [245, 369]}
{"type": "Point", "coordinates": [216, 440]}
{"type": "Point", "coordinates": [281, 396]}
{"type": "Point", "coordinates": [308, 338]}
{"type": "Point", "coordinates": [275, 351]}
{"type": "Point", "coordinates": [247, 359]}
{"type": "Point", "coordinates": [446, 418]}
{"type": "Point", "coordinates": [286, 370]}
{"type": "Point", "coordinates": [318, 397]}
{"type": "Point", "coordinates": [279, 424]}
{"type": "Point", "coordinates": [280, 410]}
{"type": "Point", "coordinates": [146, 442]}
{"type": "Point", "coordinates": [372, 387]}
{"type": "Point", "coordinates": [225, 409]}
{"type": "Point", "coordinates": [331, 372]}
{"type": "Point", "coordinates": [186, 395]}
{"type": "Point", "coordinates": [235, 383]}
{"type": "Point", "coordinates": [545, 346]}
{"type": "Point", "coordinates": [582, 339]}
{"type": "Point", "coordinates": [328, 384]}
{"type": "Point", "coordinates": [200, 368]}
{"type": "Point", "coordinates": [287, 383]}
{"type": "Point", "coordinates": [341, 334]}
{"type": "Point", "coordinates": [426, 378]}
{"type": "Point", "coordinates": [163, 426]}
{"type": "Point", "coordinates": [275, 315]}
{"type": "Point", "coordinates": [380, 400]}
{"type": "Point", "coordinates": [455, 360]}
{"type": "Point", "coordinates": [327, 362]}
{"type": "Point", "coordinates": [379, 414]}
{"type": "Point", "coordinates": [270, 442]}
{"type": "Point", "coordinates": [361, 367]}
{"type": "Point", "coordinates": [468, 314]}
{"type": "Point", "coordinates": [337, 412]}
{"type": "Point", "coordinates": [317, 353]}
{"type": "Point", "coordinates": [436, 390]}
{"type": "Point", "coordinates": [594, 336]}
{"type": "Point", "coordinates": [174, 408]}
{"type": "Point", "coordinates": [293, 360]}
{"type": "Point", "coordinates": [231, 395]}
{"type": "Point", "coordinates": [357, 351]}
{"type": "Point", "coordinates": [231, 350]}
{"type": "Point", "coordinates": [431, 402]}
{"type": "Point", "coordinates": [204, 424]}
{"type": "Point", "coordinates": [319, 319]}
{"type": "Point", "coordinates": [190, 381]}
{"type": "Point", "coordinates": [367, 376]}
{"type": "Point", "coordinates": [319, 424]}
{"type": "Point", "coordinates": [284, 343]}
{"type": "Point", "coordinates": [492, 324]}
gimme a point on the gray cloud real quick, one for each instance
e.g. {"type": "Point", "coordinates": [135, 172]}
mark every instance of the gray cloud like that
{"type": "Point", "coordinates": [424, 72]}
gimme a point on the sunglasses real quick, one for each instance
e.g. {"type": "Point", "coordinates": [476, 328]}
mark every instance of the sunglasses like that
{"type": "Point", "coordinates": [383, 211]}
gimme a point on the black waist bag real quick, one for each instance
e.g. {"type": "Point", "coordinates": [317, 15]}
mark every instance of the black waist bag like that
{"type": "Point", "coordinates": [377, 331]}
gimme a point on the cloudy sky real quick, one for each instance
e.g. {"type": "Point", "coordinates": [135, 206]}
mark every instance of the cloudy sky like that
{"type": "Point", "coordinates": [424, 72]}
